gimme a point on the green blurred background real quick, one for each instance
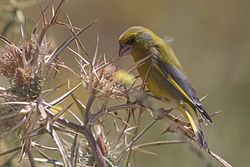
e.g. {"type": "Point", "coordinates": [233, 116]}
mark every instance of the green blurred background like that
{"type": "Point", "coordinates": [212, 41]}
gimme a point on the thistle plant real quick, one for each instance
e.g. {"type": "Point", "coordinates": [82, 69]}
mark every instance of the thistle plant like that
{"type": "Point", "coordinates": [79, 131]}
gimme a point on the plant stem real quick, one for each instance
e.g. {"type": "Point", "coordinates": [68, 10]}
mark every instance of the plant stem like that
{"type": "Point", "coordinates": [95, 148]}
{"type": "Point", "coordinates": [89, 135]}
{"type": "Point", "coordinates": [87, 110]}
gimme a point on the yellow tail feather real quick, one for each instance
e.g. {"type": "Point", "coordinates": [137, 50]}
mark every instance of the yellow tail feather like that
{"type": "Point", "coordinates": [195, 126]}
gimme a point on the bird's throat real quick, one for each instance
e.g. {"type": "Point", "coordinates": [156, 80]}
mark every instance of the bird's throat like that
{"type": "Point", "coordinates": [143, 65]}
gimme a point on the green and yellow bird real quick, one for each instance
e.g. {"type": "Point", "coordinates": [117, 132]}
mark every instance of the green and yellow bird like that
{"type": "Point", "coordinates": [163, 74]}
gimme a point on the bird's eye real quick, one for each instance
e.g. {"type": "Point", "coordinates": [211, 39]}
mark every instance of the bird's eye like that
{"type": "Point", "coordinates": [131, 40]}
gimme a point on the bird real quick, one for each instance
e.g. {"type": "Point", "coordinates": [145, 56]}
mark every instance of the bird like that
{"type": "Point", "coordinates": [163, 74]}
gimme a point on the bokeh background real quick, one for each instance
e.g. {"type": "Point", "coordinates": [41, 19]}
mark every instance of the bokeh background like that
{"type": "Point", "coordinates": [212, 41]}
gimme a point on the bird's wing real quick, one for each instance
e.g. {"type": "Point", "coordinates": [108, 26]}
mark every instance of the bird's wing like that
{"type": "Point", "coordinates": [180, 82]}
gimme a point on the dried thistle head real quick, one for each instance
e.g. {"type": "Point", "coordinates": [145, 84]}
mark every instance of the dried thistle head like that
{"type": "Point", "coordinates": [100, 79]}
{"type": "Point", "coordinates": [17, 64]}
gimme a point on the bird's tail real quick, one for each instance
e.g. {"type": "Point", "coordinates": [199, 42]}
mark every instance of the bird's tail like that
{"type": "Point", "coordinates": [187, 110]}
{"type": "Point", "coordinates": [203, 113]}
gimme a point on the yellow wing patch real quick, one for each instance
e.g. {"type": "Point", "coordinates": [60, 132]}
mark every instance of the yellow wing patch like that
{"type": "Point", "coordinates": [176, 85]}
{"type": "Point", "coordinates": [172, 81]}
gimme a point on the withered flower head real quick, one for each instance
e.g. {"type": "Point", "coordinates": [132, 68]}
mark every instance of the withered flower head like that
{"type": "Point", "coordinates": [17, 64]}
{"type": "Point", "coordinates": [100, 78]}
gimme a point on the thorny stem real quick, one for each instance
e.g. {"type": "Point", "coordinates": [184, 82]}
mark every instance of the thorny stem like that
{"type": "Point", "coordinates": [139, 135]}
{"type": "Point", "coordinates": [90, 138]}
{"type": "Point", "coordinates": [31, 159]}
{"type": "Point", "coordinates": [87, 110]}
{"type": "Point", "coordinates": [86, 131]}
{"type": "Point", "coordinates": [114, 108]}
{"type": "Point", "coordinates": [159, 143]}
{"type": "Point", "coordinates": [95, 148]}
{"type": "Point", "coordinates": [89, 135]}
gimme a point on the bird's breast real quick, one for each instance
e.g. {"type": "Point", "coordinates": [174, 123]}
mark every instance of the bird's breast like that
{"type": "Point", "coordinates": [155, 81]}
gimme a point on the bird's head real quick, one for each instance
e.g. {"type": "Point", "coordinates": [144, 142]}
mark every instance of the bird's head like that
{"type": "Point", "coordinates": [136, 38]}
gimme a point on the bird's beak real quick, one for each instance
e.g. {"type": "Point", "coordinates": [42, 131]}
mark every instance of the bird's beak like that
{"type": "Point", "coordinates": [125, 50]}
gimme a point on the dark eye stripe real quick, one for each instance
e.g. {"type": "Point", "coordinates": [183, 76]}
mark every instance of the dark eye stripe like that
{"type": "Point", "coordinates": [131, 40]}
